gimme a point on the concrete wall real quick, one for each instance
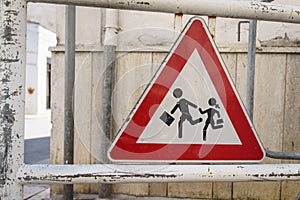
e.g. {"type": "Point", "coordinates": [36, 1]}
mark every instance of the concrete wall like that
{"type": "Point", "coordinates": [144, 40]}
{"type": "Point", "coordinates": [276, 116]}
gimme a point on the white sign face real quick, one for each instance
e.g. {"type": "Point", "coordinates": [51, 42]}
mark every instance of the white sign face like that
{"type": "Point", "coordinates": [197, 88]}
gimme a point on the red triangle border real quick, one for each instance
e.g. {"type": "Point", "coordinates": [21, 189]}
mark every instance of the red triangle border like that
{"type": "Point", "coordinates": [125, 147]}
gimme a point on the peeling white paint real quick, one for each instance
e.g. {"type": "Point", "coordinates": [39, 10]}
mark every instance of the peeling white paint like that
{"type": "Point", "coordinates": [217, 8]}
{"type": "Point", "coordinates": [12, 78]}
{"type": "Point", "coordinates": [111, 173]}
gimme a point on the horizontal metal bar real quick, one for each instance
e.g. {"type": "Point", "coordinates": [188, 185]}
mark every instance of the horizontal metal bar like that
{"type": "Point", "coordinates": [165, 49]}
{"type": "Point", "coordinates": [283, 155]}
{"type": "Point", "coordinates": [217, 8]}
{"type": "Point", "coordinates": [112, 173]}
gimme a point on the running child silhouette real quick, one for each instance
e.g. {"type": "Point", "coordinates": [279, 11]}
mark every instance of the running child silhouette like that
{"type": "Point", "coordinates": [210, 116]}
{"type": "Point", "coordinates": [183, 106]}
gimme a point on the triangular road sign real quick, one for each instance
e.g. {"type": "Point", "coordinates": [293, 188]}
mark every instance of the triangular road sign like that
{"type": "Point", "coordinates": [190, 111]}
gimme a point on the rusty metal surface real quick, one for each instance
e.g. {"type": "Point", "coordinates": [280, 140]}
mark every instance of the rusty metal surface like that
{"type": "Point", "coordinates": [111, 173]}
{"type": "Point", "coordinates": [212, 26]}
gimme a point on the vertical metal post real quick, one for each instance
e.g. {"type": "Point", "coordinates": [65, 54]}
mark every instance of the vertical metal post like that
{"type": "Point", "coordinates": [178, 22]}
{"type": "Point", "coordinates": [107, 89]}
{"type": "Point", "coordinates": [12, 97]}
{"type": "Point", "coordinates": [69, 92]}
{"type": "Point", "coordinates": [251, 67]}
{"type": "Point", "coordinates": [108, 80]}
{"type": "Point", "coordinates": [212, 26]}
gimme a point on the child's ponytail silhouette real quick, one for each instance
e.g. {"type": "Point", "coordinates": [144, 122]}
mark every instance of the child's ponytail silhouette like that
{"type": "Point", "coordinates": [210, 116]}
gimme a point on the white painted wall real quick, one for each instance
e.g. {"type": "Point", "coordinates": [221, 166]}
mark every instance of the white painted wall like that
{"type": "Point", "coordinates": [37, 119]}
{"type": "Point", "coordinates": [39, 40]}
{"type": "Point", "coordinates": [46, 39]}
{"type": "Point", "coordinates": [42, 13]}
{"type": "Point", "coordinates": [31, 68]}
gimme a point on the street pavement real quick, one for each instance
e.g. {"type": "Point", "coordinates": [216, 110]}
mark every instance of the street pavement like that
{"type": "Point", "coordinates": [37, 151]}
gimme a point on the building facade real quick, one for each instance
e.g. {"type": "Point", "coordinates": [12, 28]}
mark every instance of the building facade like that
{"type": "Point", "coordinates": [38, 80]}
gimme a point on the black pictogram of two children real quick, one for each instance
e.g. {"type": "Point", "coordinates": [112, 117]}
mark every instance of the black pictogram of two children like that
{"type": "Point", "coordinates": [183, 106]}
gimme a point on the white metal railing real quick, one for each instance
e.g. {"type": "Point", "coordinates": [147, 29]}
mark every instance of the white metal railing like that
{"type": "Point", "coordinates": [12, 95]}
{"type": "Point", "coordinates": [112, 173]}
{"type": "Point", "coordinates": [12, 103]}
{"type": "Point", "coordinates": [218, 8]}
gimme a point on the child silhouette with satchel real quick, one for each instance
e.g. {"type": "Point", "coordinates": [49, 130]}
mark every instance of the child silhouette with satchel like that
{"type": "Point", "coordinates": [183, 106]}
{"type": "Point", "coordinates": [210, 117]}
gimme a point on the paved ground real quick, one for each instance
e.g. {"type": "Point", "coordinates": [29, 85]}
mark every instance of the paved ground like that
{"type": "Point", "coordinates": [37, 151]}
